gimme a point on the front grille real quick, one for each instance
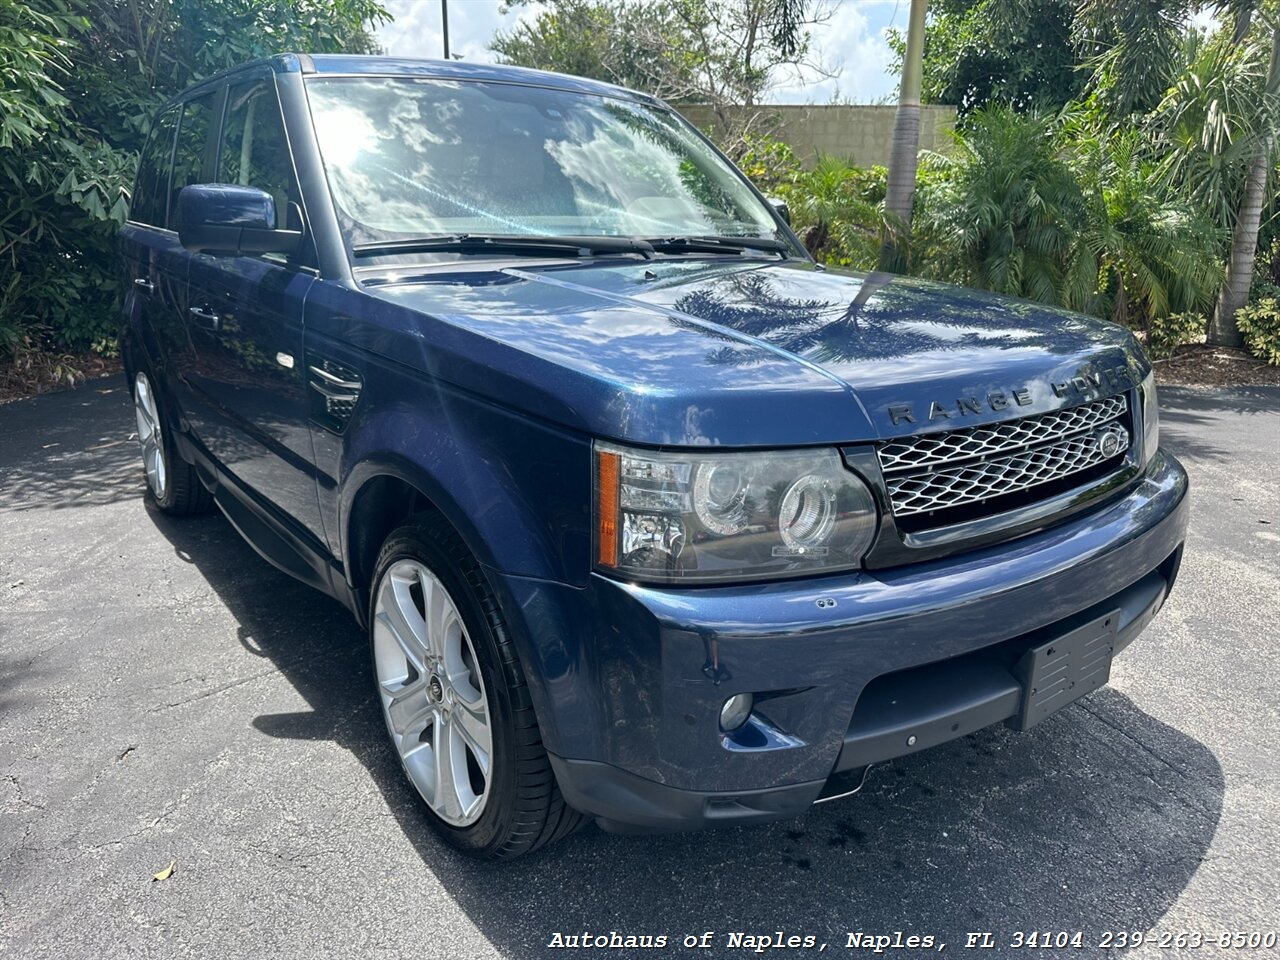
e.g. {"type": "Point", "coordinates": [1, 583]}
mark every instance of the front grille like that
{"type": "Point", "coordinates": [963, 468]}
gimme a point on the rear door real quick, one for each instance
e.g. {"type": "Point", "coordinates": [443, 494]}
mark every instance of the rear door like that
{"type": "Point", "coordinates": [245, 323]}
{"type": "Point", "coordinates": [154, 264]}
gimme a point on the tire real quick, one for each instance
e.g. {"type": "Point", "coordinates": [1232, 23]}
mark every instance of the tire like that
{"type": "Point", "coordinates": [442, 660]}
{"type": "Point", "coordinates": [172, 483]}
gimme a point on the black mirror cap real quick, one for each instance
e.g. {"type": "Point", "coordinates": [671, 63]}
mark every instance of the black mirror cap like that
{"type": "Point", "coordinates": [223, 218]}
{"type": "Point", "coordinates": [780, 207]}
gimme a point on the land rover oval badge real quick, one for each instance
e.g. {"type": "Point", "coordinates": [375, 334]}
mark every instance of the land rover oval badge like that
{"type": "Point", "coordinates": [1111, 440]}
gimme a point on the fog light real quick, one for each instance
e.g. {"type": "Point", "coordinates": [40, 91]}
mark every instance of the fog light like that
{"type": "Point", "coordinates": [735, 711]}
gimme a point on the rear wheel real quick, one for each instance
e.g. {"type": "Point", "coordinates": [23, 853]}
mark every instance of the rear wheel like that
{"type": "Point", "coordinates": [172, 483]}
{"type": "Point", "coordinates": [455, 702]}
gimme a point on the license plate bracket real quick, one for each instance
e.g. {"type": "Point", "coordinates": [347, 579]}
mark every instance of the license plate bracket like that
{"type": "Point", "coordinates": [1062, 670]}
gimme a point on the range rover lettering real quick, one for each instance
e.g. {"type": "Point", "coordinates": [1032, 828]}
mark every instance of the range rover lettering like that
{"type": "Point", "coordinates": [650, 519]}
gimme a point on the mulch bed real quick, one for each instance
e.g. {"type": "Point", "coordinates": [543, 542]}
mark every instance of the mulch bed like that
{"type": "Point", "coordinates": [1200, 365]}
{"type": "Point", "coordinates": [35, 371]}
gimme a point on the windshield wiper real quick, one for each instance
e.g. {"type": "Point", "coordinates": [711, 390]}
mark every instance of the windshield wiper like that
{"type": "Point", "coordinates": [717, 244]}
{"type": "Point", "coordinates": [496, 243]}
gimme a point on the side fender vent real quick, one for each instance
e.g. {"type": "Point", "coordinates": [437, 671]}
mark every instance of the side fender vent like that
{"type": "Point", "coordinates": [335, 390]}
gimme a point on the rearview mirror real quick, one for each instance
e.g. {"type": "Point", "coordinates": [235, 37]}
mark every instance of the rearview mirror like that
{"type": "Point", "coordinates": [780, 207]}
{"type": "Point", "coordinates": [222, 218]}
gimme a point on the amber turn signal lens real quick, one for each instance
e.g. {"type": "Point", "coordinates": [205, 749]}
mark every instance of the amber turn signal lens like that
{"type": "Point", "coordinates": [607, 466]}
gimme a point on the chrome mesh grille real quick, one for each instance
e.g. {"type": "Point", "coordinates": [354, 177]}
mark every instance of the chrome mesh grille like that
{"type": "Point", "coordinates": [943, 470]}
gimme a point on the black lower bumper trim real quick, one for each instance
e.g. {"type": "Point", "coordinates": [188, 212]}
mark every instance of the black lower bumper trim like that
{"type": "Point", "coordinates": [623, 802]}
{"type": "Point", "coordinates": [901, 713]}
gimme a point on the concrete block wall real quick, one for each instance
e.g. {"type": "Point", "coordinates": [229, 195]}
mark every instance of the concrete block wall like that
{"type": "Point", "coordinates": [861, 133]}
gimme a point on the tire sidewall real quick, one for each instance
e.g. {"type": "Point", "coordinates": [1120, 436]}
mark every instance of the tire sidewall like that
{"type": "Point", "coordinates": [166, 440]}
{"type": "Point", "coordinates": [414, 543]}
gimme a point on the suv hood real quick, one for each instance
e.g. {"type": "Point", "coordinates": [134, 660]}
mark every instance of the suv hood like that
{"type": "Point", "coordinates": [758, 353]}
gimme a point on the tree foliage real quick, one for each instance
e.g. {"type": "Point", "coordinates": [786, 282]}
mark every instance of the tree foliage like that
{"type": "Point", "coordinates": [1018, 52]}
{"type": "Point", "coordinates": [1132, 48]}
{"type": "Point", "coordinates": [1154, 252]}
{"type": "Point", "coordinates": [1043, 54]}
{"type": "Point", "coordinates": [1211, 119]}
{"type": "Point", "coordinates": [725, 53]}
{"type": "Point", "coordinates": [69, 137]}
{"type": "Point", "coordinates": [1006, 209]}
{"type": "Point", "coordinates": [35, 51]}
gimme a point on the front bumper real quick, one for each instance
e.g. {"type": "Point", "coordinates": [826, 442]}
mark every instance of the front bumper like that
{"type": "Point", "coordinates": [628, 680]}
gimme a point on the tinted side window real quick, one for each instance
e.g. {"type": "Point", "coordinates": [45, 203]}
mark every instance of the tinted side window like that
{"type": "Point", "coordinates": [151, 191]}
{"type": "Point", "coordinates": [255, 151]}
{"type": "Point", "coordinates": [193, 139]}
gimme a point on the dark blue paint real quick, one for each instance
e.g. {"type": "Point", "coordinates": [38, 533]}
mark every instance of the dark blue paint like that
{"type": "Point", "coordinates": [484, 383]}
{"type": "Point", "coordinates": [622, 666]}
{"type": "Point", "coordinates": [742, 353]}
{"type": "Point", "coordinates": [226, 204]}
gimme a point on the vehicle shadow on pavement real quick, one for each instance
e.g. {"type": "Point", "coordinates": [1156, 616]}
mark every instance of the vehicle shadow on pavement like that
{"type": "Point", "coordinates": [1175, 401]}
{"type": "Point", "coordinates": [71, 449]}
{"type": "Point", "coordinates": [1188, 415]}
{"type": "Point", "coordinates": [1095, 821]}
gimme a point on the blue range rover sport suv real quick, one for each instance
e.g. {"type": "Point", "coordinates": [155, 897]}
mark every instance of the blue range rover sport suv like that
{"type": "Point", "coordinates": [651, 519]}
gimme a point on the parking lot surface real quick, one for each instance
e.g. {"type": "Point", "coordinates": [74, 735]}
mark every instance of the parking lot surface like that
{"type": "Point", "coordinates": [167, 696]}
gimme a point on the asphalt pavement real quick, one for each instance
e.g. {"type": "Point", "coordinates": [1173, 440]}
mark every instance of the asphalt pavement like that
{"type": "Point", "coordinates": [168, 697]}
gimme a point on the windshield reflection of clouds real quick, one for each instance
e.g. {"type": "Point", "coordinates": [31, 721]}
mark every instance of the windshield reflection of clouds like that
{"type": "Point", "coordinates": [416, 157]}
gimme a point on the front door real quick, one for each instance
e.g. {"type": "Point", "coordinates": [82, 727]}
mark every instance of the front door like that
{"type": "Point", "coordinates": [244, 317]}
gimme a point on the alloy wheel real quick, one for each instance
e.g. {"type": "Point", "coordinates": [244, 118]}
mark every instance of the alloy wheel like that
{"type": "Point", "coordinates": [433, 696]}
{"type": "Point", "coordinates": [147, 412]}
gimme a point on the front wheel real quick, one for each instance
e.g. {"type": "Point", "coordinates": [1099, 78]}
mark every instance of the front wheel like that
{"type": "Point", "coordinates": [456, 704]}
{"type": "Point", "coordinates": [172, 483]}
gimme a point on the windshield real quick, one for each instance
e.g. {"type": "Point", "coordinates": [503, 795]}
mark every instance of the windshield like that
{"type": "Point", "coordinates": [411, 158]}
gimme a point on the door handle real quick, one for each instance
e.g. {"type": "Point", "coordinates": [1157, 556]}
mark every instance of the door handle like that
{"type": "Point", "coordinates": [205, 318]}
{"type": "Point", "coordinates": [145, 285]}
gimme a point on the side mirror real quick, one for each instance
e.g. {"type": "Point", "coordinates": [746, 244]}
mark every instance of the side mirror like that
{"type": "Point", "coordinates": [780, 208]}
{"type": "Point", "coordinates": [221, 218]}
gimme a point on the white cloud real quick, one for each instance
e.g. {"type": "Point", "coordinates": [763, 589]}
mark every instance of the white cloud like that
{"type": "Point", "coordinates": [416, 30]}
{"type": "Point", "coordinates": [852, 45]}
{"type": "Point", "coordinates": [1206, 19]}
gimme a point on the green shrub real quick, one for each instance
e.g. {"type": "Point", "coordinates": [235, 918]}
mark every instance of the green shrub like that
{"type": "Point", "coordinates": [838, 209]}
{"type": "Point", "coordinates": [1260, 324]}
{"type": "Point", "coordinates": [771, 164]}
{"type": "Point", "coordinates": [10, 328]}
{"type": "Point", "coordinates": [1166, 334]}
{"type": "Point", "coordinates": [1266, 272]}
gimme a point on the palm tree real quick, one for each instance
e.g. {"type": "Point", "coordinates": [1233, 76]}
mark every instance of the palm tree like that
{"type": "Point", "coordinates": [1007, 210]}
{"type": "Point", "coordinates": [1219, 123]}
{"type": "Point", "coordinates": [1151, 253]}
{"type": "Point", "coordinates": [1132, 48]}
{"type": "Point", "coordinates": [1244, 237]}
{"type": "Point", "coordinates": [905, 147]}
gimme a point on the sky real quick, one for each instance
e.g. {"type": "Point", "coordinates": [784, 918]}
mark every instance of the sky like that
{"type": "Point", "coordinates": [852, 45]}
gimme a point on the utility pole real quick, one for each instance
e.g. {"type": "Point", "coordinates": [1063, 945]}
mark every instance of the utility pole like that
{"type": "Point", "coordinates": [444, 19]}
{"type": "Point", "coordinates": [901, 188]}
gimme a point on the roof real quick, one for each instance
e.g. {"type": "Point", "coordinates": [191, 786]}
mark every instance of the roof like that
{"type": "Point", "coordinates": [371, 65]}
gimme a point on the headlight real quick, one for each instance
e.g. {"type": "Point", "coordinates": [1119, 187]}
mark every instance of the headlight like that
{"type": "Point", "coordinates": [680, 517]}
{"type": "Point", "coordinates": [1150, 418]}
